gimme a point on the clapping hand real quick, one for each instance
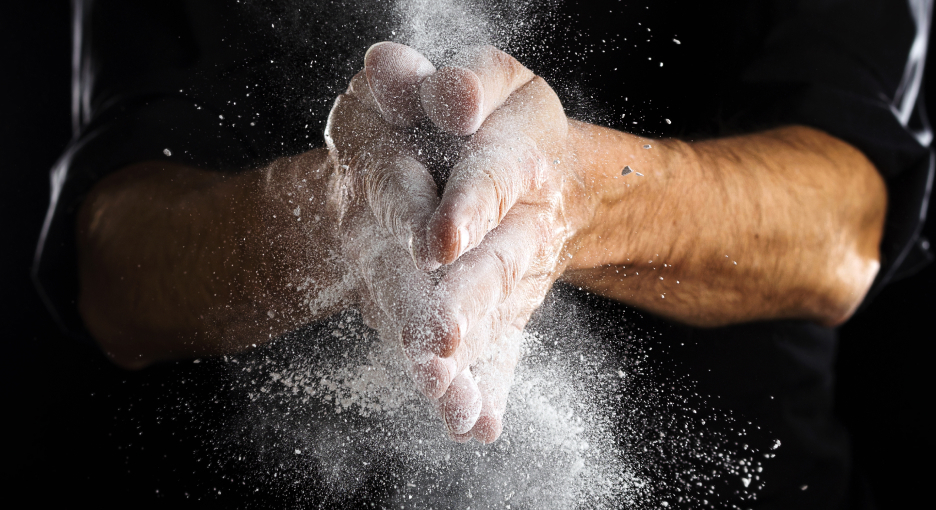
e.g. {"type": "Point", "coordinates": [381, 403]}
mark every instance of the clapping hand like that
{"type": "Point", "coordinates": [498, 237]}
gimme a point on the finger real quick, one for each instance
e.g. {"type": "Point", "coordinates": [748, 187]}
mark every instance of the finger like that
{"type": "Point", "coordinates": [494, 375]}
{"type": "Point", "coordinates": [394, 72]}
{"type": "Point", "coordinates": [390, 283]}
{"type": "Point", "coordinates": [458, 438]}
{"type": "Point", "coordinates": [461, 404]}
{"type": "Point", "coordinates": [380, 165]}
{"type": "Point", "coordinates": [477, 283]}
{"type": "Point", "coordinates": [505, 160]}
{"type": "Point", "coordinates": [486, 277]}
{"type": "Point", "coordinates": [461, 438]}
{"type": "Point", "coordinates": [433, 375]}
{"type": "Point", "coordinates": [459, 99]}
{"type": "Point", "coordinates": [355, 125]}
{"type": "Point", "coordinates": [402, 195]}
{"type": "Point", "coordinates": [484, 185]}
{"type": "Point", "coordinates": [510, 316]}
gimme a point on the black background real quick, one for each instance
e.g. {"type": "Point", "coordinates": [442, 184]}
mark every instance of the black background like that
{"type": "Point", "coordinates": [80, 429]}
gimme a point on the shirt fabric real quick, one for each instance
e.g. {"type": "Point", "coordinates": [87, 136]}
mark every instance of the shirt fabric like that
{"type": "Point", "coordinates": [229, 87]}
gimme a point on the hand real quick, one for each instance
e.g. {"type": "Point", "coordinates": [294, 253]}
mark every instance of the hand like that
{"type": "Point", "coordinates": [379, 195]}
{"type": "Point", "coordinates": [382, 197]}
{"type": "Point", "coordinates": [505, 226]}
{"type": "Point", "coordinates": [534, 195]}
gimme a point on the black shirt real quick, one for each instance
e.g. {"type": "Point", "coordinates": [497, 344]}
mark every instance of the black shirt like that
{"type": "Point", "coordinates": [231, 86]}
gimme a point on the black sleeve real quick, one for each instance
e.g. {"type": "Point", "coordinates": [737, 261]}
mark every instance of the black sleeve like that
{"type": "Point", "coordinates": [854, 68]}
{"type": "Point", "coordinates": [133, 70]}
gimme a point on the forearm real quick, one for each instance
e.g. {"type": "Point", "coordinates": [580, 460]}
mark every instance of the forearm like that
{"type": "Point", "coordinates": [781, 224]}
{"type": "Point", "coordinates": [176, 261]}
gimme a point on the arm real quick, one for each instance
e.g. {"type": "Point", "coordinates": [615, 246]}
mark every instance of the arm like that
{"type": "Point", "coordinates": [535, 197]}
{"type": "Point", "coordinates": [799, 211]}
{"type": "Point", "coordinates": [176, 261]}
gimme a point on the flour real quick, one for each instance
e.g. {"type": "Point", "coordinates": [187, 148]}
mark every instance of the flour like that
{"type": "Point", "coordinates": [330, 413]}
{"type": "Point", "coordinates": [584, 428]}
{"type": "Point", "coordinates": [440, 28]}
{"type": "Point", "coordinates": [357, 410]}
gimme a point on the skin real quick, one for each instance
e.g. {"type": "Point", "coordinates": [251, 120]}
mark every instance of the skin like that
{"type": "Point", "coordinates": [532, 197]}
{"type": "Point", "coordinates": [201, 271]}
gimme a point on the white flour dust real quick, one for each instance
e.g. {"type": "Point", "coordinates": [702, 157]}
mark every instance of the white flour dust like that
{"type": "Point", "coordinates": [348, 420]}
{"type": "Point", "coordinates": [330, 418]}
{"type": "Point", "coordinates": [331, 415]}
{"type": "Point", "coordinates": [440, 28]}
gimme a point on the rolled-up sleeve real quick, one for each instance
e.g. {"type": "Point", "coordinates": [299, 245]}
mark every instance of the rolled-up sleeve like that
{"type": "Point", "coordinates": [131, 68]}
{"type": "Point", "coordinates": [161, 128]}
{"type": "Point", "coordinates": [854, 69]}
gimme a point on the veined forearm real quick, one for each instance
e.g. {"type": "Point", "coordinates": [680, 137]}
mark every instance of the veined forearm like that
{"type": "Point", "coordinates": [176, 261]}
{"type": "Point", "coordinates": [781, 224]}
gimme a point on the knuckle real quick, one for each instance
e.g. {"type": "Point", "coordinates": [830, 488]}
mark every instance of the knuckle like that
{"type": "Point", "coordinates": [535, 285]}
{"type": "Point", "coordinates": [504, 197]}
{"type": "Point", "coordinates": [501, 191]}
{"type": "Point", "coordinates": [488, 51]}
{"type": "Point", "coordinates": [514, 174]}
{"type": "Point", "coordinates": [543, 233]}
{"type": "Point", "coordinates": [508, 314]}
{"type": "Point", "coordinates": [552, 188]}
{"type": "Point", "coordinates": [508, 271]}
{"type": "Point", "coordinates": [495, 322]}
{"type": "Point", "coordinates": [551, 201]}
{"type": "Point", "coordinates": [542, 89]}
{"type": "Point", "coordinates": [393, 203]}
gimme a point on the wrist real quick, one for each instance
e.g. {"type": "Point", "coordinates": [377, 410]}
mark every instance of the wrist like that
{"type": "Point", "coordinates": [292, 252]}
{"type": "Point", "coordinates": [635, 194]}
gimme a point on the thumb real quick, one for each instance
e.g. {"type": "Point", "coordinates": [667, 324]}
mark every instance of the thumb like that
{"type": "Point", "coordinates": [458, 99]}
{"type": "Point", "coordinates": [394, 72]}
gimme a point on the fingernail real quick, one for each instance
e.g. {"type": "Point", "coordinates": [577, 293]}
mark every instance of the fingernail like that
{"type": "Point", "coordinates": [487, 429]}
{"type": "Point", "coordinates": [458, 438]}
{"type": "Point", "coordinates": [426, 261]}
{"type": "Point", "coordinates": [460, 418]}
{"type": "Point", "coordinates": [463, 240]}
{"type": "Point", "coordinates": [460, 425]}
{"type": "Point", "coordinates": [434, 385]}
{"type": "Point", "coordinates": [366, 53]}
{"type": "Point", "coordinates": [450, 368]}
{"type": "Point", "coordinates": [430, 265]}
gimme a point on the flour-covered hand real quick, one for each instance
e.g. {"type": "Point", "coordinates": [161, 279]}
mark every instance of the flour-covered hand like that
{"type": "Point", "coordinates": [503, 230]}
{"type": "Point", "coordinates": [380, 195]}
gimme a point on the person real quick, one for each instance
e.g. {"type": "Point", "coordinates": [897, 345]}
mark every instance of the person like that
{"type": "Point", "coordinates": [755, 243]}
